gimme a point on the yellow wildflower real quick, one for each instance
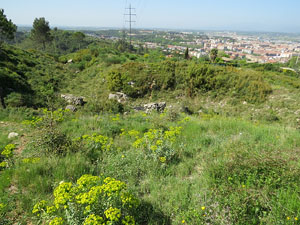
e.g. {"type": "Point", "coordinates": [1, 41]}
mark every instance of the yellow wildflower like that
{"type": "Point", "coordinates": [3, 164]}
{"type": "Point", "coordinates": [162, 159]}
{"type": "Point", "coordinates": [113, 214]}
{"type": "Point", "coordinates": [1, 206]}
{"type": "Point", "coordinates": [57, 221]}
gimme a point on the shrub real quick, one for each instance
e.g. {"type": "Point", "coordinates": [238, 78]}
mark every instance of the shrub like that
{"type": "Point", "coordinates": [14, 100]}
{"type": "Point", "coordinates": [81, 65]}
{"type": "Point", "coordinates": [159, 144]}
{"type": "Point", "coordinates": [114, 60]}
{"type": "Point", "coordinates": [139, 79]}
{"type": "Point", "coordinates": [251, 87]}
{"type": "Point", "coordinates": [115, 80]}
{"type": "Point", "coordinates": [105, 105]}
{"type": "Point", "coordinates": [48, 137]}
{"type": "Point", "coordinates": [96, 144]}
{"type": "Point", "coordinates": [92, 200]}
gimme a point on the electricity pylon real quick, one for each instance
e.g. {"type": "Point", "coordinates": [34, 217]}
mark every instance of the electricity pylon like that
{"type": "Point", "coordinates": [130, 21]}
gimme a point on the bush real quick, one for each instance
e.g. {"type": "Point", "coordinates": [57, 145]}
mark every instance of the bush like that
{"type": "Point", "coordinates": [95, 145]}
{"type": "Point", "coordinates": [114, 60]}
{"type": "Point", "coordinates": [81, 66]}
{"type": "Point", "coordinates": [251, 87]}
{"type": "Point", "coordinates": [92, 200]}
{"type": "Point", "coordinates": [159, 144]}
{"type": "Point", "coordinates": [14, 100]}
{"type": "Point", "coordinates": [48, 137]}
{"type": "Point", "coordinates": [105, 105]}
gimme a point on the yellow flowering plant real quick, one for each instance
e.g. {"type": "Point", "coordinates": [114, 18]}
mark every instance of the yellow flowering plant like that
{"type": "Point", "coordinates": [2, 206]}
{"type": "Point", "coordinates": [31, 160]}
{"type": "Point", "coordinates": [57, 221]}
{"type": "Point", "coordinates": [91, 200]}
{"type": "Point", "coordinates": [6, 156]}
{"type": "Point", "coordinates": [115, 118]}
{"type": "Point", "coordinates": [97, 142]}
{"type": "Point", "coordinates": [2, 210]}
{"type": "Point", "coordinates": [131, 133]}
{"type": "Point", "coordinates": [159, 144]}
{"type": "Point", "coordinates": [8, 151]}
{"type": "Point", "coordinates": [53, 116]}
{"type": "Point", "coordinates": [95, 145]}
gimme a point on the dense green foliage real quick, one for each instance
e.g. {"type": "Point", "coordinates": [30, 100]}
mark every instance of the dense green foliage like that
{"type": "Point", "coordinates": [28, 78]}
{"type": "Point", "coordinates": [213, 54]}
{"type": "Point", "coordinates": [7, 28]}
{"type": "Point", "coordinates": [61, 41]}
{"type": "Point", "coordinates": [139, 79]}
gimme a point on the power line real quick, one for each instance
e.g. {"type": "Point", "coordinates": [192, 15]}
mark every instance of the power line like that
{"type": "Point", "coordinates": [130, 21]}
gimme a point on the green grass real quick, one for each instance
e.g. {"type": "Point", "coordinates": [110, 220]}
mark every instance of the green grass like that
{"type": "Point", "coordinates": [227, 170]}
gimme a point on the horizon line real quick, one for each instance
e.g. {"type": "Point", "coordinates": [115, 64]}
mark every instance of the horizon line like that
{"type": "Point", "coordinates": [157, 28]}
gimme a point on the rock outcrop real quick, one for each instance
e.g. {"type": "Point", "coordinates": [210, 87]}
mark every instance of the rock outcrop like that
{"type": "Point", "coordinates": [118, 96]}
{"type": "Point", "coordinates": [74, 100]}
{"type": "Point", "coordinates": [159, 107]}
{"type": "Point", "coordinates": [149, 107]}
{"type": "Point", "coordinates": [72, 108]}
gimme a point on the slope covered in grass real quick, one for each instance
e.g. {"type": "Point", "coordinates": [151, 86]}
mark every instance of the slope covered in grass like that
{"type": "Point", "coordinates": [28, 77]}
{"type": "Point", "coordinates": [216, 170]}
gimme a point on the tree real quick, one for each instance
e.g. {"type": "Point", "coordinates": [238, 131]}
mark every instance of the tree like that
{"type": "Point", "coordinates": [41, 31]}
{"type": "Point", "coordinates": [7, 28]}
{"type": "Point", "coordinates": [213, 54]}
{"type": "Point", "coordinates": [78, 37]}
{"type": "Point", "coordinates": [186, 53]}
{"type": "Point", "coordinates": [122, 45]}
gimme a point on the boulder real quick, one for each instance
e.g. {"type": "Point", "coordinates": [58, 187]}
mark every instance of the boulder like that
{"type": "Point", "coordinates": [159, 107]}
{"type": "Point", "coordinates": [12, 135]}
{"type": "Point", "coordinates": [118, 96]}
{"type": "Point", "coordinates": [74, 100]}
{"type": "Point", "coordinates": [72, 108]}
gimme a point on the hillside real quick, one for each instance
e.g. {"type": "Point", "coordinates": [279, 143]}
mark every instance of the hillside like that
{"type": "Point", "coordinates": [253, 92]}
{"type": "Point", "coordinates": [225, 150]}
{"type": "Point", "coordinates": [28, 78]}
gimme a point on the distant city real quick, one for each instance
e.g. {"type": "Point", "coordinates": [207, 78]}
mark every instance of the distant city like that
{"type": "Point", "coordinates": [253, 47]}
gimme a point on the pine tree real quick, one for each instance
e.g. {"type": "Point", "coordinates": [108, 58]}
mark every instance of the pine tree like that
{"type": "Point", "coordinates": [186, 53]}
{"type": "Point", "coordinates": [41, 31]}
{"type": "Point", "coordinates": [7, 28]}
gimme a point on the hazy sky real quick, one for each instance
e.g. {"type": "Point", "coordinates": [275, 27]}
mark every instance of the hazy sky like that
{"type": "Point", "coordinates": [252, 15]}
